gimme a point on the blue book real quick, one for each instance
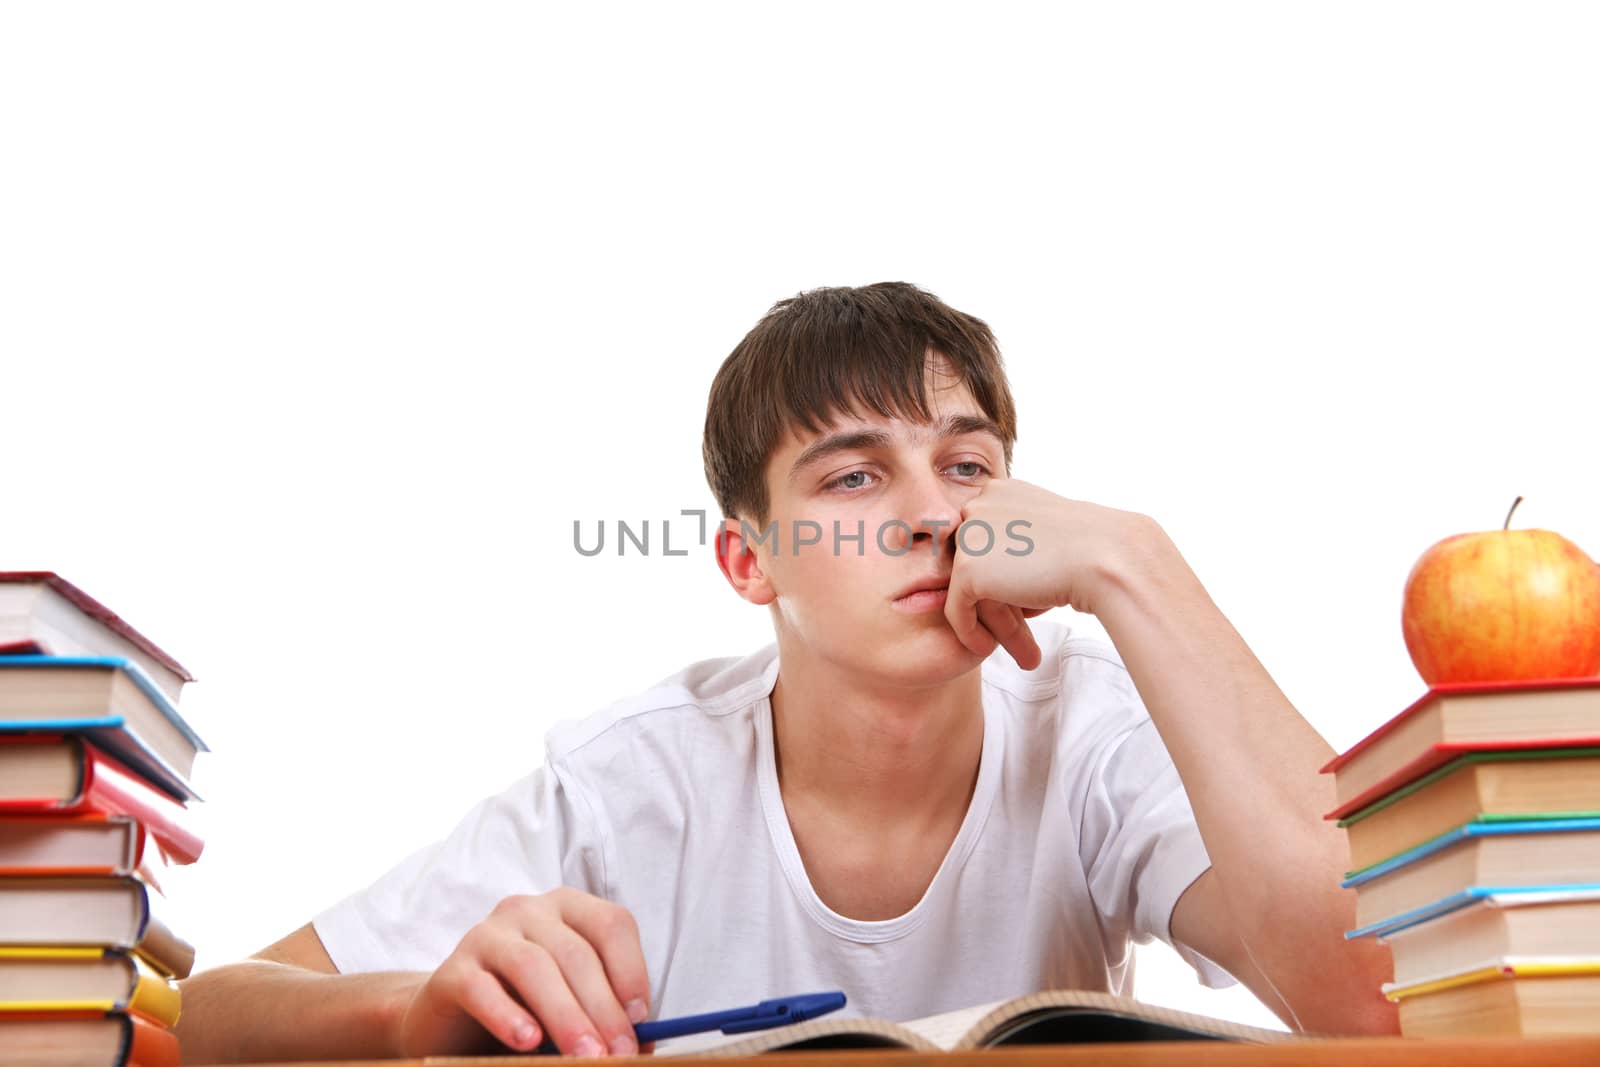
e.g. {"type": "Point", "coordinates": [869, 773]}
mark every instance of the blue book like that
{"type": "Point", "coordinates": [109, 700]}
{"type": "Point", "coordinates": [1535, 855]}
{"type": "Point", "coordinates": [1457, 901]}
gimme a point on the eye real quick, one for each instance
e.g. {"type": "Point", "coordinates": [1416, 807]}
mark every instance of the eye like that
{"type": "Point", "coordinates": [842, 482]}
{"type": "Point", "coordinates": [838, 483]}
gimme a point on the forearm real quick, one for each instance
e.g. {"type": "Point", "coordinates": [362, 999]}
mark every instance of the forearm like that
{"type": "Point", "coordinates": [257, 1011]}
{"type": "Point", "coordinates": [1250, 764]}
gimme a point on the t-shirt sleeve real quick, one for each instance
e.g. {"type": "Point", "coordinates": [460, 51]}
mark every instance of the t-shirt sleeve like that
{"type": "Point", "coordinates": [533, 837]}
{"type": "Point", "coordinates": [1142, 845]}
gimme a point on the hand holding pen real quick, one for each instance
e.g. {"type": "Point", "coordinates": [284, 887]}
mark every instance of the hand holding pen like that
{"type": "Point", "coordinates": [564, 967]}
{"type": "Point", "coordinates": [779, 1011]}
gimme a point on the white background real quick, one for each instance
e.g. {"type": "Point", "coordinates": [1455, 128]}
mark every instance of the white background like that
{"type": "Point", "coordinates": [321, 323]}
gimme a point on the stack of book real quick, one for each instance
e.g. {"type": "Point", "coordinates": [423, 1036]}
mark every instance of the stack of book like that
{"type": "Point", "coordinates": [1473, 819]}
{"type": "Point", "coordinates": [95, 766]}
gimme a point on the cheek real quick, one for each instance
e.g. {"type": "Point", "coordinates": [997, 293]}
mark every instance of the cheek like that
{"type": "Point", "coordinates": [825, 572]}
{"type": "Point", "coordinates": [826, 594]}
{"type": "Point", "coordinates": [825, 556]}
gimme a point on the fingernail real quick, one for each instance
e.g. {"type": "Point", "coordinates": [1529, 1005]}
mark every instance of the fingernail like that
{"type": "Point", "coordinates": [588, 1046]}
{"type": "Point", "coordinates": [638, 1011]}
{"type": "Point", "coordinates": [523, 1034]}
{"type": "Point", "coordinates": [622, 1045]}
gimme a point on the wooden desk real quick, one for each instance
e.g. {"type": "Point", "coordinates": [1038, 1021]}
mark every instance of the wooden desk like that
{"type": "Point", "coordinates": [1344, 1052]}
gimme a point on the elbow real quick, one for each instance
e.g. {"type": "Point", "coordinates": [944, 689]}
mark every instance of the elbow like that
{"type": "Point", "coordinates": [1362, 1011]}
{"type": "Point", "coordinates": [1351, 988]}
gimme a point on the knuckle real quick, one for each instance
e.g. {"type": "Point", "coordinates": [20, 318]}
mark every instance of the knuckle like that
{"type": "Point", "coordinates": [511, 907]}
{"type": "Point", "coordinates": [618, 921]}
{"type": "Point", "coordinates": [528, 958]}
{"type": "Point", "coordinates": [478, 941]}
{"type": "Point", "coordinates": [571, 954]}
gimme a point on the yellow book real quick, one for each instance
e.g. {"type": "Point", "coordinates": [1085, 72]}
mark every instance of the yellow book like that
{"type": "Point", "coordinates": [1512, 996]}
{"type": "Point", "coordinates": [51, 979]}
{"type": "Point", "coordinates": [1491, 970]}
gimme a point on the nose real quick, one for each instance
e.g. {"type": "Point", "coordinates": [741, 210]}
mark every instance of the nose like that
{"type": "Point", "coordinates": [930, 508]}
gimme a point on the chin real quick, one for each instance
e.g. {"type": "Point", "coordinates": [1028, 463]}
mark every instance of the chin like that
{"type": "Point", "coordinates": [931, 657]}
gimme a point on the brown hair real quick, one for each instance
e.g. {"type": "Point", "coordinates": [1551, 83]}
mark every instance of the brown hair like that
{"type": "Point", "coordinates": [836, 351]}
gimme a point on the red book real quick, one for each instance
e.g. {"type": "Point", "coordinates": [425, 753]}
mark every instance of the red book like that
{"type": "Point", "coordinates": [89, 1038]}
{"type": "Point", "coordinates": [56, 775]}
{"type": "Point", "coordinates": [1451, 720]}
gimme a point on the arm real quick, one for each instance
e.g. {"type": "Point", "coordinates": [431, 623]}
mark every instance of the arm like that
{"type": "Point", "coordinates": [1273, 914]}
{"type": "Point", "coordinates": [1270, 910]}
{"type": "Point", "coordinates": [564, 964]}
{"type": "Point", "coordinates": [289, 1002]}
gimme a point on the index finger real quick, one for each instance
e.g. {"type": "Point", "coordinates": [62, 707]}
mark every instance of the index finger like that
{"type": "Point", "coordinates": [1005, 622]}
{"type": "Point", "coordinates": [961, 610]}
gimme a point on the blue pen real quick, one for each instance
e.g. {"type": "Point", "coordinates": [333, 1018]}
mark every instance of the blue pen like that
{"type": "Point", "coordinates": [779, 1011]}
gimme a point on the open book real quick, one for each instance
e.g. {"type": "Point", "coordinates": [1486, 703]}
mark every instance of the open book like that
{"type": "Point", "coordinates": [1061, 1016]}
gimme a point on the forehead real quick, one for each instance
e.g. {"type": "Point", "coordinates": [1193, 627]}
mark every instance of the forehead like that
{"type": "Point", "coordinates": [952, 412]}
{"type": "Point", "coordinates": [945, 397]}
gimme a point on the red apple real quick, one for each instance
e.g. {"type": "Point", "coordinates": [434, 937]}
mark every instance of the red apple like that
{"type": "Point", "coordinates": [1503, 605]}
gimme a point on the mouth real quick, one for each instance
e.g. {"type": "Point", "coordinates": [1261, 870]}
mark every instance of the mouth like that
{"type": "Point", "coordinates": [926, 597]}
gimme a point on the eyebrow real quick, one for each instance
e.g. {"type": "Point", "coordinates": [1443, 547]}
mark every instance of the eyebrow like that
{"type": "Point", "coordinates": [853, 440]}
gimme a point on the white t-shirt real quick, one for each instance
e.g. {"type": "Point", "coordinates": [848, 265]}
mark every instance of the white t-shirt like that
{"type": "Point", "coordinates": [1078, 840]}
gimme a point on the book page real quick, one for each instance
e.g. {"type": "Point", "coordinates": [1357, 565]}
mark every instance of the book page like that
{"type": "Point", "coordinates": [962, 1028]}
{"type": "Point", "coordinates": [947, 1028]}
{"type": "Point", "coordinates": [984, 1030]}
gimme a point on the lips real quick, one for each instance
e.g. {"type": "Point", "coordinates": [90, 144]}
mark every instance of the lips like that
{"type": "Point", "coordinates": [928, 601]}
{"type": "Point", "coordinates": [927, 584]}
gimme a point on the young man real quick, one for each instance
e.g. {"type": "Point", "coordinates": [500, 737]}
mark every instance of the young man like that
{"type": "Point", "coordinates": [913, 795]}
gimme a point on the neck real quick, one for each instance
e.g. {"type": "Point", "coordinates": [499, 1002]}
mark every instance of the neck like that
{"type": "Point", "coordinates": [870, 755]}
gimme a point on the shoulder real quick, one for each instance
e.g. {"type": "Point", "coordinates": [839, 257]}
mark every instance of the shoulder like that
{"type": "Point", "coordinates": [717, 694]}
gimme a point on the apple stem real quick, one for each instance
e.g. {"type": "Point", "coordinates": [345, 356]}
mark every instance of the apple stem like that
{"type": "Point", "coordinates": [1514, 504]}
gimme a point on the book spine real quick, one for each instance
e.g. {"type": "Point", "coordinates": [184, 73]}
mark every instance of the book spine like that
{"type": "Point", "coordinates": [132, 846]}
{"type": "Point", "coordinates": [47, 805]}
{"type": "Point", "coordinates": [163, 949]}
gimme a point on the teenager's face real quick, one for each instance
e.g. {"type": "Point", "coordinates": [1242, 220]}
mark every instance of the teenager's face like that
{"type": "Point", "coordinates": [859, 475]}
